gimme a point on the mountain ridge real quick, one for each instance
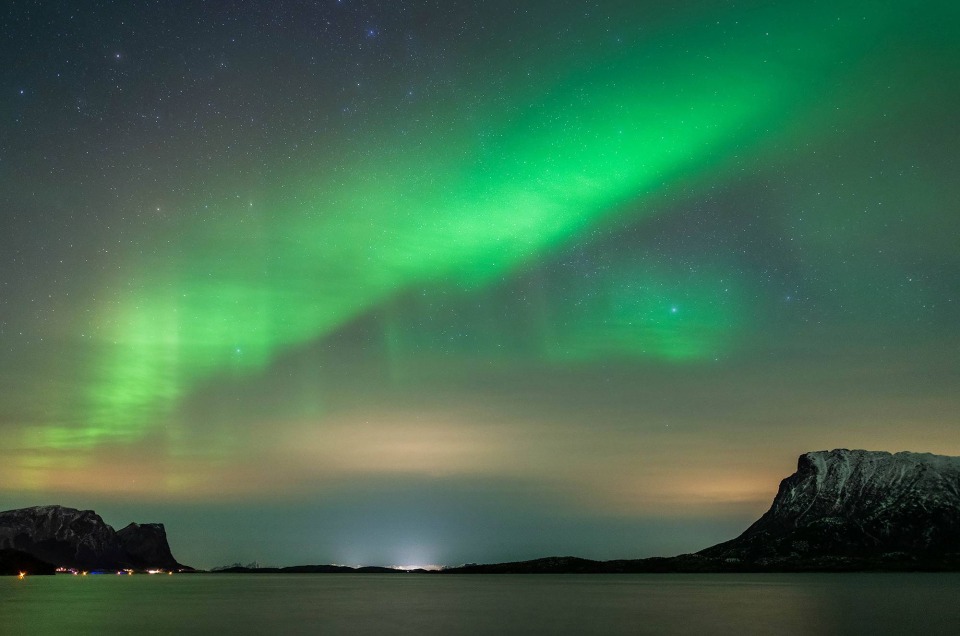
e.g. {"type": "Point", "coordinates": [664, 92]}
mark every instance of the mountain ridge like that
{"type": "Point", "coordinates": [857, 503]}
{"type": "Point", "coordinates": [80, 539]}
{"type": "Point", "coordinates": [842, 510]}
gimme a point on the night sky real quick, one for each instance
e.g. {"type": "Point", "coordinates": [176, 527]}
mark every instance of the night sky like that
{"type": "Point", "coordinates": [435, 281]}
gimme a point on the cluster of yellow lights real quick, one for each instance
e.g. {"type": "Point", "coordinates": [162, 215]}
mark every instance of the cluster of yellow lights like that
{"type": "Point", "coordinates": [123, 572]}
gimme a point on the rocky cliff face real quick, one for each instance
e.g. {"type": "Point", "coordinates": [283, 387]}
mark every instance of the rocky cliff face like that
{"type": "Point", "coordinates": [67, 537]}
{"type": "Point", "coordinates": [146, 545]}
{"type": "Point", "coordinates": [858, 503]}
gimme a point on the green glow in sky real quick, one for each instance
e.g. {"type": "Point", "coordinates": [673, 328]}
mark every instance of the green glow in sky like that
{"type": "Point", "coordinates": [466, 207]}
{"type": "Point", "coordinates": [444, 273]}
{"type": "Point", "coordinates": [648, 311]}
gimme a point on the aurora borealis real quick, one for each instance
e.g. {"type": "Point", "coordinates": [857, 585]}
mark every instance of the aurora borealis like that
{"type": "Point", "coordinates": [428, 282]}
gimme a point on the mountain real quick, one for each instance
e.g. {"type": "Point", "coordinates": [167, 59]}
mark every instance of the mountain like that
{"type": "Point", "coordinates": [842, 510]}
{"type": "Point", "coordinates": [71, 538]}
{"type": "Point", "coordinates": [146, 545]}
{"type": "Point", "coordinates": [857, 504]}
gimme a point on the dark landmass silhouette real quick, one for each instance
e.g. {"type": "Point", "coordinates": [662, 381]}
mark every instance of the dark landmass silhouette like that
{"type": "Point", "coordinates": [842, 510]}
{"type": "Point", "coordinates": [80, 540]}
{"type": "Point", "coordinates": [313, 569]}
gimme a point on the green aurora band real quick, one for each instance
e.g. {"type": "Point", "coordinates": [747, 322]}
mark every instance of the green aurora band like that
{"type": "Point", "coordinates": [468, 205]}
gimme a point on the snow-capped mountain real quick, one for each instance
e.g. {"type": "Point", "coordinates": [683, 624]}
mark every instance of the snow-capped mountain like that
{"type": "Point", "coordinates": [857, 503]}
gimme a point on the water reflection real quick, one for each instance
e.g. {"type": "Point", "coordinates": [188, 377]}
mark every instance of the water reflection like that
{"type": "Point", "coordinates": [463, 604]}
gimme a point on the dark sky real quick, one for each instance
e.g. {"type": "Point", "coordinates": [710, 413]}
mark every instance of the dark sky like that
{"type": "Point", "coordinates": [420, 282]}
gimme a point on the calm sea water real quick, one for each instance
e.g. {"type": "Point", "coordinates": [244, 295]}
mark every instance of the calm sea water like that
{"type": "Point", "coordinates": [488, 604]}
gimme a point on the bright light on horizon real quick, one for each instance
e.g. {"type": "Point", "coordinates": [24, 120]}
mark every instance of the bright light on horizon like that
{"type": "Point", "coordinates": [430, 567]}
